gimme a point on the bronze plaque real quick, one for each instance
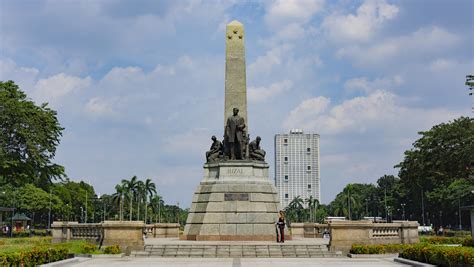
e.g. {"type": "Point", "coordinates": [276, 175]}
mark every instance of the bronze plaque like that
{"type": "Point", "coordinates": [236, 197]}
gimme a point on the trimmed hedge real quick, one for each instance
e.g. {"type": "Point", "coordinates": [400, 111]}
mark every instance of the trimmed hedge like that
{"type": "Point", "coordinates": [424, 252]}
{"type": "Point", "coordinates": [440, 255]}
{"type": "Point", "coordinates": [34, 256]}
{"type": "Point", "coordinates": [114, 249]}
{"type": "Point", "coordinates": [466, 241]}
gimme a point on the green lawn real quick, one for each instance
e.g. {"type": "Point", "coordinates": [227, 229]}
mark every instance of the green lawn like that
{"type": "Point", "coordinates": [9, 245]}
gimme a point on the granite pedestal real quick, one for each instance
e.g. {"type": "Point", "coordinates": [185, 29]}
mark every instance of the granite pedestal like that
{"type": "Point", "coordinates": [234, 201]}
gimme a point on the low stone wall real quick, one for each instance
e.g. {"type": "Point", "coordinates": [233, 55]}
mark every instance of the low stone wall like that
{"type": "Point", "coordinates": [308, 230]}
{"type": "Point", "coordinates": [345, 233]}
{"type": "Point", "coordinates": [127, 234]}
{"type": "Point", "coordinates": [162, 230]}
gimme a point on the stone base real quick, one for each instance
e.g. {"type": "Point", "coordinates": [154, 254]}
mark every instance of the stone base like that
{"type": "Point", "coordinates": [235, 201]}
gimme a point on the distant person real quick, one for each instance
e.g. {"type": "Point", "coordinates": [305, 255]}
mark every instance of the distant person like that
{"type": "Point", "coordinates": [281, 228]}
{"type": "Point", "coordinates": [440, 230]}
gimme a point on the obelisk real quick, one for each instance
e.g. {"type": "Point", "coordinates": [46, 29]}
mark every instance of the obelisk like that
{"type": "Point", "coordinates": [235, 81]}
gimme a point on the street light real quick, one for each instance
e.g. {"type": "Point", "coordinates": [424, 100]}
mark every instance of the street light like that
{"type": "Point", "coordinates": [403, 210]}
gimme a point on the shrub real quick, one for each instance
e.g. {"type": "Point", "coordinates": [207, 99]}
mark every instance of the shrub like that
{"type": "Point", "coordinates": [440, 255]}
{"type": "Point", "coordinates": [34, 256]}
{"type": "Point", "coordinates": [88, 248]}
{"type": "Point", "coordinates": [464, 240]}
{"type": "Point", "coordinates": [114, 249]}
{"type": "Point", "coordinates": [377, 249]}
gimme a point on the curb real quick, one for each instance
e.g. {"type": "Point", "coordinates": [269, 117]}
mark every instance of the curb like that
{"type": "Point", "coordinates": [413, 263]}
{"type": "Point", "coordinates": [60, 263]}
{"type": "Point", "coordinates": [385, 255]}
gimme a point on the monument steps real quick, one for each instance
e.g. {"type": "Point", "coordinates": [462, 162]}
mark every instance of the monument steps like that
{"type": "Point", "coordinates": [236, 251]}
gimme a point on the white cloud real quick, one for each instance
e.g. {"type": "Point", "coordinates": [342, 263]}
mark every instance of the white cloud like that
{"type": "Point", "coordinates": [263, 93]}
{"type": "Point", "coordinates": [364, 85]}
{"type": "Point", "coordinates": [271, 59]}
{"type": "Point", "coordinates": [305, 112]}
{"type": "Point", "coordinates": [54, 88]}
{"type": "Point", "coordinates": [380, 112]}
{"type": "Point", "coordinates": [97, 106]}
{"type": "Point", "coordinates": [282, 12]}
{"type": "Point", "coordinates": [370, 16]}
{"type": "Point", "coordinates": [291, 31]}
{"type": "Point", "coordinates": [442, 64]}
{"type": "Point", "coordinates": [424, 42]}
{"type": "Point", "coordinates": [24, 77]}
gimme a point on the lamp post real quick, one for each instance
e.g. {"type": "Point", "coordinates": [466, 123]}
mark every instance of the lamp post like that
{"type": "Point", "coordinates": [49, 213]}
{"type": "Point", "coordinates": [403, 210]}
{"type": "Point", "coordinates": [422, 208]}
{"type": "Point", "coordinates": [459, 207]}
{"type": "Point", "coordinates": [367, 207]}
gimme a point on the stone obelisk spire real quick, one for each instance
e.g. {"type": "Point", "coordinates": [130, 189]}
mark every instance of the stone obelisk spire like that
{"type": "Point", "coordinates": [235, 81]}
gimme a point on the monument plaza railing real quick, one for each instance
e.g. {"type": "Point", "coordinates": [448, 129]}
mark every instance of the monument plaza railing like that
{"type": "Point", "coordinates": [129, 235]}
{"type": "Point", "coordinates": [162, 230]}
{"type": "Point", "coordinates": [345, 233]}
{"type": "Point", "coordinates": [308, 230]}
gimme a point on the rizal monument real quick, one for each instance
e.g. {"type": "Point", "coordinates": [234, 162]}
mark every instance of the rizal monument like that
{"type": "Point", "coordinates": [235, 200]}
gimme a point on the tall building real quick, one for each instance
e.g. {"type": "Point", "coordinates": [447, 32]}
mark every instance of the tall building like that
{"type": "Point", "coordinates": [297, 166]}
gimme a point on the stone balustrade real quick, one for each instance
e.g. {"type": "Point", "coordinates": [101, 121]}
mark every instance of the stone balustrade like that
{"type": "Point", "coordinates": [162, 230]}
{"type": "Point", "coordinates": [345, 233]}
{"type": "Point", "coordinates": [308, 230]}
{"type": "Point", "coordinates": [127, 234]}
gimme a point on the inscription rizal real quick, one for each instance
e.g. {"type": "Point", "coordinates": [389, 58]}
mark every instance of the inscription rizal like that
{"type": "Point", "coordinates": [235, 171]}
{"type": "Point", "coordinates": [236, 197]}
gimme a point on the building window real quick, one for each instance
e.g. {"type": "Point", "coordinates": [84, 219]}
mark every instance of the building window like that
{"type": "Point", "coordinates": [309, 186]}
{"type": "Point", "coordinates": [308, 149]}
{"type": "Point", "coordinates": [286, 158]}
{"type": "Point", "coordinates": [286, 195]}
{"type": "Point", "coordinates": [285, 141]}
{"type": "Point", "coordinates": [286, 177]}
{"type": "Point", "coordinates": [308, 168]}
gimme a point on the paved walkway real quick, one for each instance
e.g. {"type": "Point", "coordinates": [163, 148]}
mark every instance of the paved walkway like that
{"type": "Point", "coordinates": [236, 262]}
{"type": "Point", "coordinates": [176, 241]}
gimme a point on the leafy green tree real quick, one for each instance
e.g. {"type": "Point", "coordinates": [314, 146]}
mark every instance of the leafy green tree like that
{"type": "Point", "coordinates": [119, 198]}
{"type": "Point", "coordinates": [440, 157]}
{"type": "Point", "coordinates": [37, 202]}
{"type": "Point", "coordinates": [29, 135]}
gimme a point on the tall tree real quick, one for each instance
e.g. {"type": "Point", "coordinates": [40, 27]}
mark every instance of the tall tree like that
{"type": "Point", "coordinates": [150, 191]}
{"type": "Point", "coordinates": [130, 187]}
{"type": "Point", "coordinates": [118, 197]}
{"type": "Point", "coordinates": [440, 157]}
{"type": "Point", "coordinates": [29, 135]}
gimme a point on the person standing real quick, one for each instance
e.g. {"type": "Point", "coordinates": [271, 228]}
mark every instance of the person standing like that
{"type": "Point", "coordinates": [281, 227]}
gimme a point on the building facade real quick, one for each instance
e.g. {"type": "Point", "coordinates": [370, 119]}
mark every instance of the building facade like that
{"type": "Point", "coordinates": [297, 171]}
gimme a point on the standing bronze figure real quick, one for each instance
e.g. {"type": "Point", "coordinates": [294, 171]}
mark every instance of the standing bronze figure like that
{"type": "Point", "coordinates": [234, 136]}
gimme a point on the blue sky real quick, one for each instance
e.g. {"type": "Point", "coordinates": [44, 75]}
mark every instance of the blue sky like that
{"type": "Point", "coordinates": [139, 85]}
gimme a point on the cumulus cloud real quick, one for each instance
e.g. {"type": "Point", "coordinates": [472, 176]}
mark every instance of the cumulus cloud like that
{"type": "Point", "coordinates": [24, 77]}
{"type": "Point", "coordinates": [425, 42]}
{"type": "Point", "coordinates": [98, 106]}
{"type": "Point", "coordinates": [272, 58]}
{"type": "Point", "coordinates": [264, 93]}
{"type": "Point", "coordinates": [282, 12]}
{"type": "Point", "coordinates": [378, 111]}
{"type": "Point", "coordinates": [370, 16]}
{"type": "Point", "coordinates": [54, 88]}
{"type": "Point", "coordinates": [364, 85]}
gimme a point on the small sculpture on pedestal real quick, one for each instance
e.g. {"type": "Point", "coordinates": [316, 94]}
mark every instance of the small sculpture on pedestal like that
{"type": "Point", "coordinates": [215, 151]}
{"type": "Point", "coordinates": [255, 152]}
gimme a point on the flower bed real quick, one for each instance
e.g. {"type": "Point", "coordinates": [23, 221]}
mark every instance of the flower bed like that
{"type": "Point", "coordinates": [33, 256]}
{"type": "Point", "coordinates": [424, 252]}
{"type": "Point", "coordinates": [440, 255]}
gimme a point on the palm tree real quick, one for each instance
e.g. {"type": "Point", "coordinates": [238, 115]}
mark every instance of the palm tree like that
{"type": "Point", "coordinates": [295, 209]}
{"type": "Point", "coordinates": [313, 206]}
{"type": "Point", "coordinates": [130, 187]}
{"type": "Point", "coordinates": [150, 190]}
{"type": "Point", "coordinates": [157, 203]}
{"type": "Point", "coordinates": [140, 192]}
{"type": "Point", "coordinates": [118, 197]}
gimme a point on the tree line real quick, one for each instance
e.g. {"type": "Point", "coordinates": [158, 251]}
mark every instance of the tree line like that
{"type": "Point", "coordinates": [33, 184]}
{"type": "Point", "coordinates": [435, 180]}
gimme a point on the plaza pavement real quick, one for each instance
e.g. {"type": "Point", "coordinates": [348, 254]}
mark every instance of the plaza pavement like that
{"type": "Point", "coordinates": [230, 262]}
{"type": "Point", "coordinates": [234, 262]}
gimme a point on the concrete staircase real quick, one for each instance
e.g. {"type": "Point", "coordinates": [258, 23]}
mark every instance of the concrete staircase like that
{"type": "Point", "coordinates": [236, 251]}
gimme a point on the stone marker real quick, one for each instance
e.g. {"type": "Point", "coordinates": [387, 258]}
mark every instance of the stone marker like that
{"type": "Point", "coordinates": [236, 199]}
